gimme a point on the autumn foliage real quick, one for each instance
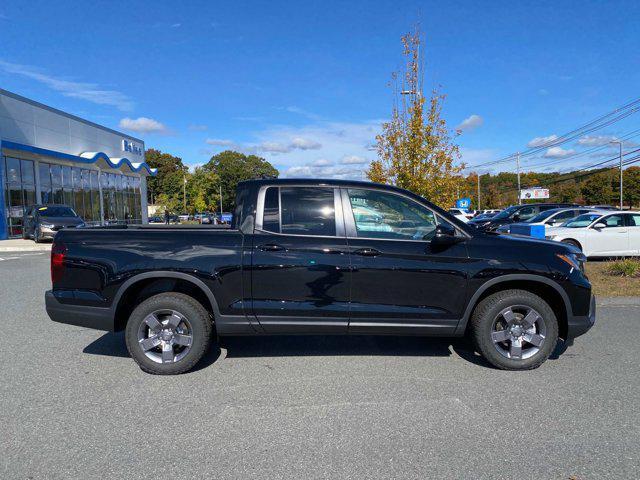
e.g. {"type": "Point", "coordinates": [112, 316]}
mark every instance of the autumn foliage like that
{"type": "Point", "coordinates": [415, 148]}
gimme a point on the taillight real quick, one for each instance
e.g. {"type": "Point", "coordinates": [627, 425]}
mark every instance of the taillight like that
{"type": "Point", "coordinates": [58, 251]}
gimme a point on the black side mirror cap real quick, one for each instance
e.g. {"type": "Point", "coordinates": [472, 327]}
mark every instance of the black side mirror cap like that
{"type": "Point", "coordinates": [445, 235]}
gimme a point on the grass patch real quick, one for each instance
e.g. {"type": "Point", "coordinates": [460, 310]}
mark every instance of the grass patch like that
{"type": "Point", "coordinates": [620, 278]}
{"type": "Point", "coordinates": [629, 267]}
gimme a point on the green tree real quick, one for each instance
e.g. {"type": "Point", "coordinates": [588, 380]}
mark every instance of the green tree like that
{"type": "Point", "coordinates": [598, 189]}
{"type": "Point", "coordinates": [234, 167]}
{"type": "Point", "coordinates": [171, 173]}
{"type": "Point", "coordinates": [631, 190]}
{"type": "Point", "coordinates": [202, 190]}
{"type": "Point", "coordinates": [415, 148]}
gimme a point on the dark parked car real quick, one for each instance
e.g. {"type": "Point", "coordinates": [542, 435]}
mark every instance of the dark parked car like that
{"type": "Point", "coordinates": [43, 221]}
{"type": "Point", "coordinates": [320, 257]}
{"type": "Point", "coordinates": [516, 214]}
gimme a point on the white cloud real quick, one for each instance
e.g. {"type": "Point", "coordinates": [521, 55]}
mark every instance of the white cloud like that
{"type": "Point", "coordinates": [274, 147]}
{"type": "Point", "coordinates": [90, 92]}
{"type": "Point", "coordinates": [470, 123]}
{"type": "Point", "coordinates": [558, 152]}
{"type": "Point", "coordinates": [353, 160]}
{"type": "Point", "coordinates": [304, 144]}
{"type": "Point", "coordinates": [321, 162]}
{"type": "Point", "coordinates": [596, 140]}
{"type": "Point", "coordinates": [198, 128]}
{"type": "Point", "coordinates": [540, 141]}
{"type": "Point", "coordinates": [176, 25]}
{"type": "Point", "coordinates": [142, 125]}
{"type": "Point", "coordinates": [304, 113]}
{"type": "Point", "coordinates": [218, 142]}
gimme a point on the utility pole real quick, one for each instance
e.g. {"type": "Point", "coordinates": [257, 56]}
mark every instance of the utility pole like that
{"type": "Point", "coordinates": [518, 169]}
{"type": "Point", "coordinates": [184, 194]}
{"type": "Point", "coordinates": [220, 186]}
{"type": "Point", "coordinates": [478, 191]}
{"type": "Point", "coordinates": [619, 142]}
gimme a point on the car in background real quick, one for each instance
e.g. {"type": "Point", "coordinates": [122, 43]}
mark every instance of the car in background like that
{"type": "Point", "coordinates": [516, 214]}
{"type": "Point", "coordinates": [156, 219]}
{"type": "Point", "coordinates": [485, 216]}
{"type": "Point", "coordinates": [490, 212]}
{"type": "Point", "coordinates": [224, 217]}
{"type": "Point", "coordinates": [600, 234]}
{"type": "Point", "coordinates": [549, 218]}
{"type": "Point", "coordinates": [184, 217]}
{"type": "Point", "coordinates": [460, 214]}
{"type": "Point", "coordinates": [43, 221]}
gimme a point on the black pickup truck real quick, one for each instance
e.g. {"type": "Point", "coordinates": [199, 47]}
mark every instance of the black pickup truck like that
{"type": "Point", "coordinates": [320, 257]}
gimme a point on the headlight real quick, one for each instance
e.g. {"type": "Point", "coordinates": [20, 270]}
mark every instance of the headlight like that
{"type": "Point", "coordinates": [575, 260]}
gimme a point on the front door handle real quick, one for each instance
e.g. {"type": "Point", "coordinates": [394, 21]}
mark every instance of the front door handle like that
{"type": "Point", "coordinates": [367, 252]}
{"type": "Point", "coordinates": [271, 247]}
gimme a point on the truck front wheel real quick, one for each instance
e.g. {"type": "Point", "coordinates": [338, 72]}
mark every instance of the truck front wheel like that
{"type": "Point", "coordinates": [168, 333]}
{"type": "Point", "coordinates": [514, 330]}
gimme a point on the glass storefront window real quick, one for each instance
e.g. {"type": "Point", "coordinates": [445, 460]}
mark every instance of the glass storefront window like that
{"type": "Point", "coordinates": [28, 175]}
{"type": "Point", "coordinates": [13, 170]}
{"type": "Point", "coordinates": [56, 175]}
{"type": "Point", "coordinates": [66, 177]}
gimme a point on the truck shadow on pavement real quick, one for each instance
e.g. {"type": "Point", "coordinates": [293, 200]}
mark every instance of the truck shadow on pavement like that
{"type": "Point", "coordinates": [113, 344]}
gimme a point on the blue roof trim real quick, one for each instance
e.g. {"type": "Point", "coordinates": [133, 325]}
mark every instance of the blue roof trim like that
{"type": "Point", "coordinates": [79, 159]}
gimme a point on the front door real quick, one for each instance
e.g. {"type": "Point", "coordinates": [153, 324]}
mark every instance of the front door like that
{"type": "Point", "coordinates": [613, 239]}
{"type": "Point", "coordinates": [300, 262]}
{"type": "Point", "coordinates": [400, 283]}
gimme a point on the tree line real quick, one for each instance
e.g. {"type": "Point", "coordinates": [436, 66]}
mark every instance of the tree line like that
{"type": "Point", "coordinates": [593, 187]}
{"type": "Point", "coordinates": [175, 186]}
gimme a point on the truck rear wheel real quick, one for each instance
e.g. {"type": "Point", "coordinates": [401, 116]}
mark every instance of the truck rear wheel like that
{"type": "Point", "coordinates": [514, 330]}
{"type": "Point", "coordinates": [168, 333]}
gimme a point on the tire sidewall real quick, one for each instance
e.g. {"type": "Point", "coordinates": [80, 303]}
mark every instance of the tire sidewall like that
{"type": "Point", "coordinates": [485, 326]}
{"type": "Point", "coordinates": [191, 310]}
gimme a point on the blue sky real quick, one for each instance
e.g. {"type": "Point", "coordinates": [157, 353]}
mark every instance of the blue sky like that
{"type": "Point", "coordinates": [304, 84]}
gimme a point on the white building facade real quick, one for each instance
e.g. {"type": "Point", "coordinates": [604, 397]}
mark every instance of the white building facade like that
{"type": "Point", "coordinates": [49, 156]}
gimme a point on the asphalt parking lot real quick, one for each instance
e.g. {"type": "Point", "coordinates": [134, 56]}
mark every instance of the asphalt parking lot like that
{"type": "Point", "coordinates": [74, 405]}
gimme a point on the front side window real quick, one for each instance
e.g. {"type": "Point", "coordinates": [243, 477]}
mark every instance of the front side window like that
{"type": "Point", "coordinates": [613, 221]}
{"type": "Point", "coordinates": [382, 215]}
{"type": "Point", "coordinates": [300, 211]}
{"type": "Point", "coordinates": [526, 213]}
{"type": "Point", "coordinates": [634, 220]}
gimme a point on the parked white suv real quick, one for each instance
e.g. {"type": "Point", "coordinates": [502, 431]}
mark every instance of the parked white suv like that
{"type": "Point", "coordinates": [599, 234]}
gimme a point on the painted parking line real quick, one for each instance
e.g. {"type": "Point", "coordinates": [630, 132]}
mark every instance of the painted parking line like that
{"type": "Point", "coordinates": [13, 257]}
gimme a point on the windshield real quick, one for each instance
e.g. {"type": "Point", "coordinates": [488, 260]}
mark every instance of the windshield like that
{"type": "Point", "coordinates": [506, 213]}
{"type": "Point", "coordinates": [582, 220]}
{"type": "Point", "coordinates": [56, 212]}
{"type": "Point", "coordinates": [542, 216]}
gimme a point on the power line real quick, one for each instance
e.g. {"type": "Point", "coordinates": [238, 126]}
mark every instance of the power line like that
{"type": "Point", "coordinates": [601, 122]}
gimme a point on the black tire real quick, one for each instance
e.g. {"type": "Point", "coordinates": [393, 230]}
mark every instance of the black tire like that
{"type": "Point", "coordinates": [201, 332]}
{"type": "Point", "coordinates": [482, 323]}
{"type": "Point", "coordinates": [572, 242]}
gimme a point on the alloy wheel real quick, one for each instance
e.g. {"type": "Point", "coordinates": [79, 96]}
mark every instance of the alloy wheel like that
{"type": "Point", "coordinates": [165, 336]}
{"type": "Point", "coordinates": [518, 332]}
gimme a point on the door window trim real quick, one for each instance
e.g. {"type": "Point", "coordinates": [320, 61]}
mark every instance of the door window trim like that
{"type": "Point", "coordinates": [350, 223]}
{"type": "Point", "coordinates": [337, 208]}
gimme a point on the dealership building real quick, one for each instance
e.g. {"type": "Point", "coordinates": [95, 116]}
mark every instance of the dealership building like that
{"type": "Point", "coordinates": [49, 156]}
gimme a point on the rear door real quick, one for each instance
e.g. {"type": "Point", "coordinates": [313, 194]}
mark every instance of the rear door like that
{"type": "Point", "coordinates": [300, 263]}
{"type": "Point", "coordinates": [633, 221]}
{"type": "Point", "coordinates": [399, 282]}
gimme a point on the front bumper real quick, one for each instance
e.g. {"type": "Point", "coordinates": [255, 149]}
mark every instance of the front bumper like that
{"type": "Point", "coordinates": [579, 325]}
{"type": "Point", "coordinates": [99, 318]}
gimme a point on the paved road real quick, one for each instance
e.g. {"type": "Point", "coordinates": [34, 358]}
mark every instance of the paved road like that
{"type": "Point", "coordinates": [73, 405]}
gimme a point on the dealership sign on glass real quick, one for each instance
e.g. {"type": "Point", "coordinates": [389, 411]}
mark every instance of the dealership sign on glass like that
{"type": "Point", "coordinates": [534, 193]}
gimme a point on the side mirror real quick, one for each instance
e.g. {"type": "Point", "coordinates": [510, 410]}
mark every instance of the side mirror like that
{"type": "Point", "coordinates": [600, 226]}
{"type": "Point", "coordinates": [444, 235]}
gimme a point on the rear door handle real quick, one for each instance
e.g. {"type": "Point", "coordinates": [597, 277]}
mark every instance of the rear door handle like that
{"type": "Point", "coordinates": [367, 252]}
{"type": "Point", "coordinates": [271, 247]}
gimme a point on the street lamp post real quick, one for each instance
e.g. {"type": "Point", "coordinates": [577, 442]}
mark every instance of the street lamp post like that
{"type": "Point", "coordinates": [619, 142]}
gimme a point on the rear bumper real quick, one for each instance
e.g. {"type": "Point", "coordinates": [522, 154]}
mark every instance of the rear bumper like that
{"type": "Point", "coordinates": [80, 315]}
{"type": "Point", "coordinates": [579, 325]}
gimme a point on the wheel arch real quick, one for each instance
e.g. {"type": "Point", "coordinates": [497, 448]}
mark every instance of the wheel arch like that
{"type": "Point", "coordinates": [574, 241]}
{"type": "Point", "coordinates": [544, 287]}
{"type": "Point", "coordinates": [144, 285]}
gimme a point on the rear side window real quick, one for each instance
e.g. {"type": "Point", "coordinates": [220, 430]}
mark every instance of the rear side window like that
{"type": "Point", "coordinates": [299, 211]}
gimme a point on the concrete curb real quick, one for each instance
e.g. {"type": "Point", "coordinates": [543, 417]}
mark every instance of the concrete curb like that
{"type": "Point", "coordinates": [619, 301]}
